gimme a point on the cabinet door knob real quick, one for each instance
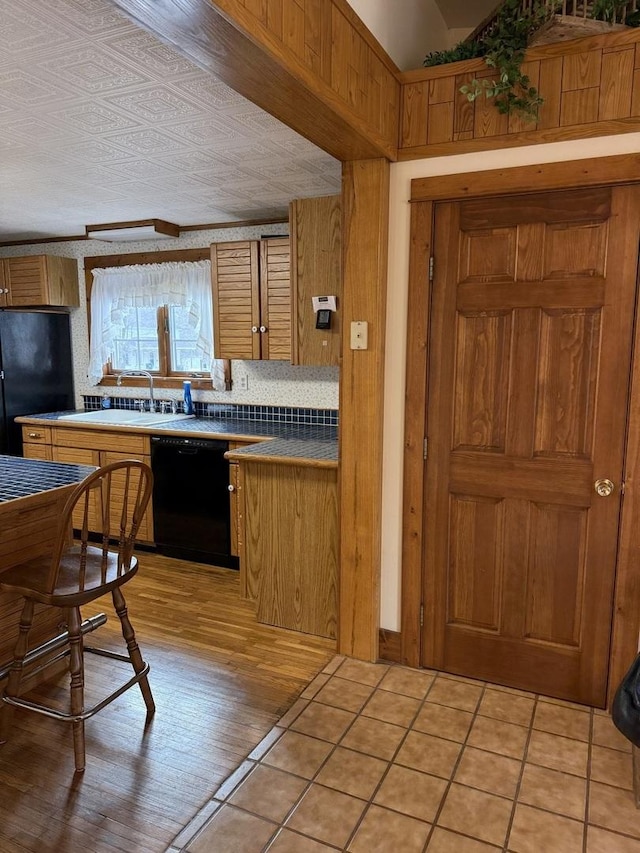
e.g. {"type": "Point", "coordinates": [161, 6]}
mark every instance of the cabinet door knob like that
{"type": "Point", "coordinates": [231, 487]}
{"type": "Point", "coordinates": [254, 329]}
{"type": "Point", "coordinates": [263, 328]}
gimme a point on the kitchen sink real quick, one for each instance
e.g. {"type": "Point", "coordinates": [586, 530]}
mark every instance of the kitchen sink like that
{"type": "Point", "coordinates": [123, 417]}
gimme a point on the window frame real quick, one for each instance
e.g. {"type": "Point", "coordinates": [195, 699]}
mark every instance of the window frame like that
{"type": "Point", "coordinates": [160, 379]}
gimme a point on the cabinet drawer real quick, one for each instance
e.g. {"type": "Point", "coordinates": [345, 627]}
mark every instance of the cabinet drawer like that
{"type": "Point", "coordinates": [133, 446]}
{"type": "Point", "coordinates": [36, 451]}
{"type": "Point", "coordinates": [76, 456]}
{"type": "Point", "coordinates": [36, 435]}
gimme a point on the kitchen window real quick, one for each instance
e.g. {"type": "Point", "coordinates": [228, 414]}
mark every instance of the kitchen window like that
{"type": "Point", "coordinates": [155, 317]}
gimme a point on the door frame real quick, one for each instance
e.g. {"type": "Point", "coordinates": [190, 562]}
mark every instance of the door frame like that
{"type": "Point", "coordinates": [425, 192]}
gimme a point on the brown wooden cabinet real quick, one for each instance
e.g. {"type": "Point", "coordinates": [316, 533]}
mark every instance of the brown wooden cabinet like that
{"type": "Point", "coordinates": [316, 270]}
{"type": "Point", "coordinates": [90, 447]}
{"type": "Point", "coordinates": [39, 280]}
{"type": "Point", "coordinates": [292, 571]}
{"type": "Point", "coordinates": [252, 299]}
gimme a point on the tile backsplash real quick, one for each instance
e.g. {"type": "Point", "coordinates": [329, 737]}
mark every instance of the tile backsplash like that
{"type": "Point", "coordinates": [272, 414]}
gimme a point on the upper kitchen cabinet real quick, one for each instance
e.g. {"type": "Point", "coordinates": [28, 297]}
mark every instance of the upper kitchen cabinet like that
{"type": "Point", "coordinates": [252, 299]}
{"type": "Point", "coordinates": [316, 270]}
{"type": "Point", "coordinates": [39, 280]}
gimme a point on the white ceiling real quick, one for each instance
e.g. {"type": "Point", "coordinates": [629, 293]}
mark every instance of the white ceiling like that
{"type": "Point", "coordinates": [99, 122]}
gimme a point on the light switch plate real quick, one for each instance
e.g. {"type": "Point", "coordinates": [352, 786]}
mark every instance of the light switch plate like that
{"type": "Point", "coordinates": [359, 334]}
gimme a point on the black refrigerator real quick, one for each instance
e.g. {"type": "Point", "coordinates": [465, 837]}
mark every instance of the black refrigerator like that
{"type": "Point", "coordinates": [36, 370]}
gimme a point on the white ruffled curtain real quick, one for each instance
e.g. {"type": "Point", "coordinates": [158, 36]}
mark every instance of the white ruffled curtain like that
{"type": "Point", "coordinates": [187, 284]}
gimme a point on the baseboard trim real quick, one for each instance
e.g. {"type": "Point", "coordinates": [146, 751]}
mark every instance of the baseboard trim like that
{"type": "Point", "coordinates": [390, 646]}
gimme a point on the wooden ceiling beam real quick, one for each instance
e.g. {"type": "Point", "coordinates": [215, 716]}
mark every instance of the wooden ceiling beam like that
{"type": "Point", "coordinates": [319, 72]}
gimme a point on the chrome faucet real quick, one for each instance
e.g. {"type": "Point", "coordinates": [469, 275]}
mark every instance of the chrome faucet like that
{"type": "Point", "coordinates": [152, 404]}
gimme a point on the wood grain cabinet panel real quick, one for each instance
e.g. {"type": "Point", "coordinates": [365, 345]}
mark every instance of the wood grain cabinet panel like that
{"type": "Point", "coordinates": [91, 447]}
{"type": "Point", "coordinates": [316, 270]}
{"type": "Point", "coordinates": [291, 545]}
{"type": "Point", "coordinates": [251, 299]}
{"type": "Point", "coordinates": [40, 280]}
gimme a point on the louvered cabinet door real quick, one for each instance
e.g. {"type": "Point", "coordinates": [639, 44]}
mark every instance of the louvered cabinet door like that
{"type": "Point", "coordinates": [39, 280]}
{"type": "Point", "coordinates": [236, 299]}
{"type": "Point", "coordinates": [275, 298]}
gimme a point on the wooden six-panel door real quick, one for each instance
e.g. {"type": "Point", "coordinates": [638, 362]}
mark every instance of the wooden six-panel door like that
{"type": "Point", "coordinates": [532, 315]}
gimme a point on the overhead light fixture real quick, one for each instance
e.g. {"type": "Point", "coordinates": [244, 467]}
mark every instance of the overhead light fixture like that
{"type": "Point", "coordinates": [143, 229]}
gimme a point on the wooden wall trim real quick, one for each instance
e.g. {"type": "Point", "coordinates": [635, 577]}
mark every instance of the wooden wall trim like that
{"type": "Point", "coordinates": [293, 60]}
{"type": "Point", "coordinates": [365, 210]}
{"type": "Point", "coordinates": [590, 87]}
{"type": "Point", "coordinates": [390, 646]}
{"type": "Point", "coordinates": [414, 431]}
{"type": "Point", "coordinates": [626, 605]}
{"type": "Point", "coordinates": [595, 171]}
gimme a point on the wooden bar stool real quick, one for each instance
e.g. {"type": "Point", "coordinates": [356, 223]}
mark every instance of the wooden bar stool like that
{"type": "Point", "coordinates": [112, 500]}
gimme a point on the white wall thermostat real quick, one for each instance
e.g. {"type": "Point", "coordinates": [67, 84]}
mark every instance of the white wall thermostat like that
{"type": "Point", "coordinates": [323, 306]}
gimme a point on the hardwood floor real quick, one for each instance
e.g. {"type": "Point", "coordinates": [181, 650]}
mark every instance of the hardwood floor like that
{"type": "Point", "coordinates": [220, 682]}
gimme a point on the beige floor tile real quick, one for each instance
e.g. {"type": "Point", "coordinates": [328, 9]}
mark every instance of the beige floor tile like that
{"type": "Point", "coordinates": [323, 722]}
{"type": "Point", "coordinates": [409, 682]}
{"type": "Point", "coordinates": [382, 831]}
{"type": "Point", "coordinates": [266, 743]}
{"type": "Point", "coordinates": [555, 791]}
{"type": "Point", "coordinates": [326, 815]}
{"type": "Point", "coordinates": [559, 720]}
{"type": "Point", "coordinates": [611, 767]}
{"type": "Point", "coordinates": [299, 754]}
{"type": "Point", "coordinates": [495, 774]}
{"type": "Point", "coordinates": [334, 664]}
{"type": "Point", "coordinates": [374, 737]}
{"type": "Point", "coordinates": [232, 781]}
{"type": "Point", "coordinates": [514, 691]}
{"type": "Point", "coordinates": [352, 772]}
{"type": "Point", "coordinates": [506, 707]}
{"type": "Point", "coordinates": [428, 753]}
{"type": "Point", "coordinates": [319, 681]}
{"type": "Point", "coordinates": [476, 813]}
{"type": "Point", "coordinates": [534, 831]}
{"type": "Point", "coordinates": [564, 703]}
{"type": "Point", "coordinates": [606, 734]}
{"type": "Point", "coordinates": [497, 736]}
{"type": "Point", "coordinates": [613, 808]}
{"type": "Point", "coordinates": [444, 841]}
{"type": "Point", "coordinates": [410, 792]}
{"type": "Point", "coordinates": [293, 713]}
{"type": "Point", "coordinates": [290, 842]}
{"type": "Point", "coordinates": [558, 753]}
{"type": "Point", "coordinates": [233, 831]}
{"type": "Point", "coordinates": [341, 693]}
{"type": "Point", "coordinates": [603, 841]}
{"type": "Point", "coordinates": [392, 708]}
{"type": "Point", "coordinates": [455, 694]}
{"type": "Point", "coordinates": [443, 722]}
{"type": "Point", "coordinates": [362, 671]}
{"type": "Point", "coordinates": [463, 679]}
{"type": "Point", "coordinates": [268, 792]}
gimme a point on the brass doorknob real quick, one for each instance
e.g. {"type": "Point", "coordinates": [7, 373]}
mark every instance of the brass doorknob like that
{"type": "Point", "coordinates": [603, 488]}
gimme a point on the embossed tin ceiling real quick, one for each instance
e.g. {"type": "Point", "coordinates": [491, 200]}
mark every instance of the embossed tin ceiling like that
{"type": "Point", "coordinates": [100, 122]}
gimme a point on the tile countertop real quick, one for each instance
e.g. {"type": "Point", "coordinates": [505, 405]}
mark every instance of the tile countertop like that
{"type": "Point", "coordinates": [21, 478]}
{"type": "Point", "coordinates": [293, 443]}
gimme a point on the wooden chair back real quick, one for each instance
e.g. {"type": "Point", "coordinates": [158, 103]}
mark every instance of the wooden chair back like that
{"type": "Point", "coordinates": [111, 502]}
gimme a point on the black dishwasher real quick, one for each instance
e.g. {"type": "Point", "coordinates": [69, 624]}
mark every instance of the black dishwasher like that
{"type": "Point", "coordinates": [191, 517]}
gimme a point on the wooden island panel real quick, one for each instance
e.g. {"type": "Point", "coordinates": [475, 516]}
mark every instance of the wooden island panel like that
{"type": "Point", "coordinates": [291, 545]}
{"type": "Point", "coordinates": [28, 530]}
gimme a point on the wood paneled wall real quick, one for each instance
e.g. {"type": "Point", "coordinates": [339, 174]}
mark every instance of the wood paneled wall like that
{"type": "Point", "coordinates": [365, 210]}
{"type": "Point", "coordinates": [590, 87]}
{"type": "Point", "coordinates": [310, 63]}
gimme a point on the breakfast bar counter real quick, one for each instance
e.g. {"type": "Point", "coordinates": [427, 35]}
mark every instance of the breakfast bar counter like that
{"type": "Point", "coordinates": [32, 495]}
